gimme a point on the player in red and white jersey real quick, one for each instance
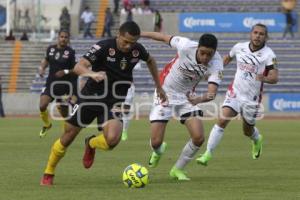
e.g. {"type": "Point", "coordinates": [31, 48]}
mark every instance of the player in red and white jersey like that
{"type": "Point", "coordinates": [195, 61]}
{"type": "Point", "coordinates": [256, 65]}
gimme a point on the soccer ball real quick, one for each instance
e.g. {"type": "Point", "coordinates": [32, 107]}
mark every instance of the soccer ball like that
{"type": "Point", "coordinates": [135, 176]}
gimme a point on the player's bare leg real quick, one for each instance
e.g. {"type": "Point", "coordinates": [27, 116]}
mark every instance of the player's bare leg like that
{"type": "Point", "coordinates": [45, 100]}
{"type": "Point", "coordinates": [110, 138]}
{"type": "Point", "coordinates": [156, 142]}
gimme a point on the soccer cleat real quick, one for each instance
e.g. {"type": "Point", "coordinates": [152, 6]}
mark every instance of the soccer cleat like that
{"type": "Point", "coordinates": [89, 153]}
{"type": "Point", "coordinates": [203, 159]}
{"type": "Point", "coordinates": [178, 174]}
{"type": "Point", "coordinates": [47, 180]}
{"type": "Point", "coordinates": [154, 158]}
{"type": "Point", "coordinates": [257, 147]}
{"type": "Point", "coordinates": [44, 130]}
{"type": "Point", "coordinates": [124, 136]}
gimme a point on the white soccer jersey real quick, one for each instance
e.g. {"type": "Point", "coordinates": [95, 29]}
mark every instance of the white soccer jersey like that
{"type": "Point", "coordinates": [249, 64]}
{"type": "Point", "coordinates": [183, 73]}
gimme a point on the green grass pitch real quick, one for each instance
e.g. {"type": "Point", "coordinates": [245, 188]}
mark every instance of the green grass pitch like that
{"type": "Point", "coordinates": [230, 175]}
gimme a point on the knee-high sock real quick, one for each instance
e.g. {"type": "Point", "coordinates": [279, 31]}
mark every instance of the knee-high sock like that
{"type": "Point", "coordinates": [187, 154]}
{"type": "Point", "coordinates": [126, 120]}
{"type": "Point", "coordinates": [255, 135]}
{"type": "Point", "coordinates": [45, 118]}
{"type": "Point", "coordinates": [57, 152]}
{"type": "Point", "coordinates": [214, 138]}
{"type": "Point", "coordinates": [99, 142]}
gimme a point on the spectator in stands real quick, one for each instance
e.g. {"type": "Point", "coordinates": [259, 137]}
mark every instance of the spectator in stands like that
{"type": "Point", "coordinates": [10, 36]}
{"type": "Point", "coordinates": [109, 21]}
{"type": "Point", "coordinates": [65, 19]}
{"type": "Point", "coordinates": [126, 3]}
{"type": "Point", "coordinates": [129, 17]}
{"type": "Point", "coordinates": [134, 9]}
{"type": "Point", "coordinates": [116, 8]}
{"type": "Point", "coordinates": [24, 36]}
{"type": "Point", "coordinates": [88, 18]}
{"type": "Point", "coordinates": [1, 105]}
{"type": "Point", "coordinates": [157, 21]}
{"type": "Point", "coordinates": [290, 22]}
{"type": "Point", "coordinates": [146, 7]}
{"type": "Point", "coordinates": [24, 20]}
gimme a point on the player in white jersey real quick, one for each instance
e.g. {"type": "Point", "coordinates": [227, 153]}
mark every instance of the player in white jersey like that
{"type": "Point", "coordinates": [256, 65]}
{"type": "Point", "coordinates": [195, 61]}
{"type": "Point", "coordinates": [127, 106]}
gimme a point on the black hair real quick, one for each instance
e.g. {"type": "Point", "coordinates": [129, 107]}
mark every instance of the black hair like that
{"type": "Point", "coordinates": [64, 31]}
{"type": "Point", "coordinates": [208, 40]}
{"type": "Point", "coordinates": [263, 26]}
{"type": "Point", "coordinates": [131, 27]}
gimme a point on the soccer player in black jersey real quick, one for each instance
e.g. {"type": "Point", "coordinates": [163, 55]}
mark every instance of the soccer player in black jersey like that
{"type": "Point", "coordinates": [112, 62]}
{"type": "Point", "coordinates": [61, 81]}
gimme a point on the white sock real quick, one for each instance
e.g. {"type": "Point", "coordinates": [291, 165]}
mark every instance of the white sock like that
{"type": "Point", "coordinates": [126, 120]}
{"type": "Point", "coordinates": [187, 154]}
{"type": "Point", "coordinates": [214, 138]}
{"type": "Point", "coordinates": [255, 135]}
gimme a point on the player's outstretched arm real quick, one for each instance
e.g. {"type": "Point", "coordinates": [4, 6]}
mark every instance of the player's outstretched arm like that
{"type": "Point", "coordinates": [157, 36]}
{"type": "Point", "coordinates": [82, 69]}
{"type": "Point", "coordinates": [151, 64]}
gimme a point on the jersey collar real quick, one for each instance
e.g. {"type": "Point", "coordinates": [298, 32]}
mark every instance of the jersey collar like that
{"type": "Point", "coordinates": [257, 49]}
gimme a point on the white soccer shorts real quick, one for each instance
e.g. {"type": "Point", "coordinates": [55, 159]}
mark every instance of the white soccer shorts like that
{"type": "Point", "coordinates": [165, 113]}
{"type": "Point", "coordinates": [249, 110]}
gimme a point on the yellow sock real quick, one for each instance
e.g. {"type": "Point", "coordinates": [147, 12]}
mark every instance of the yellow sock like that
{"type": "Point", "coordinates": [99, 142]}
{"type": "Point", "coordinates": [45, 118]}
{"type": "Point", "coordinates": [57, 152]}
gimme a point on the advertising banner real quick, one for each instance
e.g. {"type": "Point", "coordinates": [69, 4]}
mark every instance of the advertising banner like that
{"type": "Point", "coordinates": [284, 102]}
{"type": "Point", "coordinates": [230, 22]}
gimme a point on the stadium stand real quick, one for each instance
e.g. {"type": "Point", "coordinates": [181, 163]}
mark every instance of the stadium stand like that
{"type": "Point", "coordinates": [216, 5]}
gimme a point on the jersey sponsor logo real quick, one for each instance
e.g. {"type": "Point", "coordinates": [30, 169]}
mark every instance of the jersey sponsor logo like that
{"type": "Point", "coordinates": [66, 54]}
{"type": "Point", "coordinates": [247, 67]}
{"type": "Point", "coordinates": [92, 50]}
{"type": "Point", "coordinates": [57, 55]}
{"type": "Point", "coordinates": [96, 46]}
{"type": "Point", "coordinates": [110, 59]}
{"type": "Point", "coordinates": [112, 51]}
{"type": "Point", "coordinates": [51, 53]}
{"type": "Point", "coordinates": [123, 63]}
{"type": "Point", "coordinates": [135, 53]}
